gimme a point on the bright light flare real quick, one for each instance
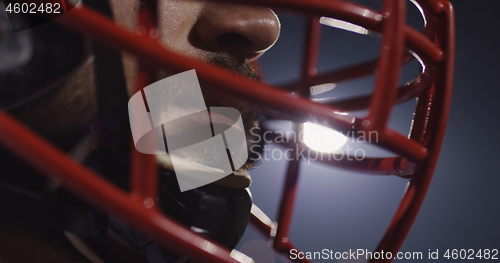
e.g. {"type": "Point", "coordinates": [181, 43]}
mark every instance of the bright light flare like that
{"type": "Point", "coordinates": [322, 139]}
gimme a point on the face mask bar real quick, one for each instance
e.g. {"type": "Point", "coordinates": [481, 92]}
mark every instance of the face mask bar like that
{"type": "Point", "coordinates": [415, 158]}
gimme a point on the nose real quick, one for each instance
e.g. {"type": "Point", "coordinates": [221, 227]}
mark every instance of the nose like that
{"type": "Point", "coordinates": [241, 31]}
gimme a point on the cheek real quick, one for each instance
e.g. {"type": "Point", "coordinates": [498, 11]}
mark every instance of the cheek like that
{"type": "Point", "coordinates": [125, 12]}
{"type": "Point", "coordinates": [176, 19]}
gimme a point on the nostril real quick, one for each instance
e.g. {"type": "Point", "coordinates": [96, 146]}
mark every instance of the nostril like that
{"type": "Point", "coordinates": [240, 31]}
{"type": "Point", "coordinates": [233, 39]}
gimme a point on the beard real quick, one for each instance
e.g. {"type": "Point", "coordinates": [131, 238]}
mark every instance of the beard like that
{"type": "Point", "coordinates": [225, 61]}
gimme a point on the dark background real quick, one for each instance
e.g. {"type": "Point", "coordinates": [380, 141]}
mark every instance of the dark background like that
{"type": "Point", "coordinates": [341, 210]}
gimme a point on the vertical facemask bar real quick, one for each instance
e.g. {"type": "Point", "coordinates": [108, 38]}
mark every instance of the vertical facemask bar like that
{"type": "Point", "coordinates": [388, 68]}
{"type": "Point", "coordinates": [282, 241]}
{"type": "Point", "coordinates": [144, 169]}
{"type": "Point", "coordinates": [431, 117]}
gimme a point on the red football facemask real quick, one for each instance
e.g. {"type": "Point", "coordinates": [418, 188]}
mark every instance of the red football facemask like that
{"type": "Point", "coordinates": [415, 156]}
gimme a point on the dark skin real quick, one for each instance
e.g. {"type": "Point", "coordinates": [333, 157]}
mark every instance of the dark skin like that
{"type": "Point", "coordinates": [225, 35]}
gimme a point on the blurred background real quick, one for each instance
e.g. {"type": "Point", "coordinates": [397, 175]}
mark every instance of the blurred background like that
{"type": "Point", "coordinates": [341, 210]}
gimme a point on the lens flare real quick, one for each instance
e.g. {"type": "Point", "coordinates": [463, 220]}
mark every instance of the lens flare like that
{"type": "Point", "coordinates": [322, 139]}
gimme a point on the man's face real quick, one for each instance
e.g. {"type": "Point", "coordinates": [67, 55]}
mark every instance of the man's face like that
{"type": "Point", "coordinates": [222, 34]}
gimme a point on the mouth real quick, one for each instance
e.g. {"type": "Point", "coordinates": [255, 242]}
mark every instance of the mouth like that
{"type": "Point", "coordinates": [195, 125]}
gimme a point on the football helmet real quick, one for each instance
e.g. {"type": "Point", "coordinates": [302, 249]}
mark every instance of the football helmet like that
{"type": "Point", "coordinates": [415, 156]}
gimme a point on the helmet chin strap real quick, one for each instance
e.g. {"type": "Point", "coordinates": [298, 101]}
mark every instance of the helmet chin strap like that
{"type": "Point", "coordinates": [80, 245]}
